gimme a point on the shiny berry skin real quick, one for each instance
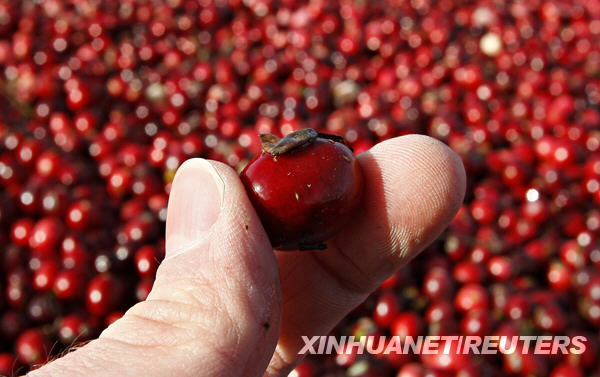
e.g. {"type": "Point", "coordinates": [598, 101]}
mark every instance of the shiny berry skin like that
{"type": "Point", "coordinates": [100, 296]}
{"type": "Point", "coordinates": [386, 309]}
{"type": "Point", "coordinates": [72, 328]}
{"type": "Point", "coordinates": [21, 231]}
{"type": "Point", "coordinates": [146, 261]}
{"type": "Point", "coordinates": [43, 277]}
{"type": "Point", "coordinates": [67, 284]}
{"type": "Point", "coordinates": [303, 187]}
{"type": "Point", "coordinates": [8, 364]}
{"type": "Point", "coordinates": [143, 288]}
{"type": "Point", "coordinates": [406, 324]}
{"type": "Point", "coordinates": [79, 215]}
{"type": "Point", "coordinates": [471, 297]}
{"type": "Point", "coordinates": [46, 235]}
{"type": "Point", "coordinates": [31, 347]}
{"type": "Point", "coordinates": [112, 317]}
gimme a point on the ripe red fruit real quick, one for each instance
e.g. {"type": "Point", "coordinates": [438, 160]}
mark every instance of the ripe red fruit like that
{"type": "Point", "coordinates": [406, 324]}
{"type": "Point", "coordinates": [100, 296]}
{"type": "Point", "coordinates": [73, 328]}
{"type": "Point", "coordinates": [566, 370]}
{"type": "Point", "coordinates": [67, 284]}
{"type": "Point", "coordinates": [303, 187]}
{"type": "Point", "coordinates": [45, 235]}
{"type": "Point", "coordinates": [31, 347]}
{"type": "Point", "coordinates": [21, 231]}
{"type": "Point", "coordinates": [7, 364]}
{"type": "Point", "coordinates": [471, 296]}
{"type": "Point", "coordinates": [386, 309]}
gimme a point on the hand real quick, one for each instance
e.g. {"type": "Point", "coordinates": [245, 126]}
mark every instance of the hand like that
{"type": "Point", "coordinates": [225, 304]}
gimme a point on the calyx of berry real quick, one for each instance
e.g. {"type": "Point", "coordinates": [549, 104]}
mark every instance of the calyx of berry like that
{"type": "Point", "coordinates": [277, 146]}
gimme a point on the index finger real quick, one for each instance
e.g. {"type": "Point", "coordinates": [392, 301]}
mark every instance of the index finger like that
{"type": "Point", "coordinates": [414, 185]}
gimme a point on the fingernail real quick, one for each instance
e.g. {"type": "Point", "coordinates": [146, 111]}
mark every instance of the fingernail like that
{"type": "Point", "coordinates": [194, 205]}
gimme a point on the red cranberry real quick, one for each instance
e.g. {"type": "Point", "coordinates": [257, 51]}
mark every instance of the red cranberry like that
{"type": "Point", "coordinates": [471, 297]}
{"type": "Point", "coordinates": [143, 288]}
{"type": "Point", "coordinates": [550, 318]}
{"type": "Point", "coordinates": [146, 261]}
{"type": "Point", "coordinates": [406, 324]}
{"type": "Point", "coordinates": [437, 284]}
{"type": "Point", "coordinates": [47, 164]}
{"type": "Point", "coordinates": [43, 277]}
{"type": "Point", "coordinates": [439, 311]}
{"type": "Point", "coordinates": [67, 284]}
{"type": "Point", "coordinates": [500, 268]}
{"type": "Point", "coordinates": [80, 215]}
{"type": "Point", "coordinates": [559, 276]}
{"type": "Point", "coordinates": [73, 328]}
{"type": "Point", "coordinates": [32, 347]}
{"type": "Point", "coordinates": [112, 317]}
{"type": "Point", "coordinates": [21, 232]}
{"type": "Point", "coordinates": [293, 180]}
{"type": "Point", "coordinates": [45, 235]}
{"type": "Point", "coordinates": [468, 272]}
{"type": "Point", "coordinates": [8, 364]}
{"type": "Point", "coordinates": [517, 307]}
{"type": "Point", "coordinates": [445, 362]}
{"type": "Point", "coordinates": [100, 295]}
{"type": "Point", "coordinates": [386, 309]}
{"type": "Point", "coordinates": [476, 322]}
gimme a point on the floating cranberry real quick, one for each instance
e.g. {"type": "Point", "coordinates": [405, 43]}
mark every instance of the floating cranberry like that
{"type": "Point", "coordinates": [43, 277]}
{"type": "Point", "coordinates": [8, 364]}
{"type": "Point", "coordinates": [32, 347]}
{"type": "Point", "coordinates": [146, 261]}
{"type": "Point", "coordinates": [21, 231]}
{"type": "Point", "coordinates": [470, 297]}
{"type": "Point", "coordinates": [73, 328]}
{"type": "Point", "coordinates": [386, 309]}
{"type": "Point", "coordinates": [67, 284]}
{"type": "Point", "coordinates": [46, 235]}
{"type": "Point", "coordinates": [79, 215]}
{"type": "Point", "coordinates": [100, 295]}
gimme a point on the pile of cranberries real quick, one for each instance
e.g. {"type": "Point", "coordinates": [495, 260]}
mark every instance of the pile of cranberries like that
{"type": "Point", "coordinates": [101, 101]}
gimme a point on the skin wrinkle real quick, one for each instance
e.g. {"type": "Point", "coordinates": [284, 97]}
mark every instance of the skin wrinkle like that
{"type": "Point", "coordinates": [342, 280]}
{"type": "Point", "coordinates": [162, 310]}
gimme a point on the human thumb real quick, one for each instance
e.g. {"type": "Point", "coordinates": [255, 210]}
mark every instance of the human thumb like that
{"type": "Point", "coordinates": [215, 307]}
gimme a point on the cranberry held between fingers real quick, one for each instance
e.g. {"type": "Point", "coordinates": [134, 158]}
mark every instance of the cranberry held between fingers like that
{"type": "Point", "coordinates": [304, 187]}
